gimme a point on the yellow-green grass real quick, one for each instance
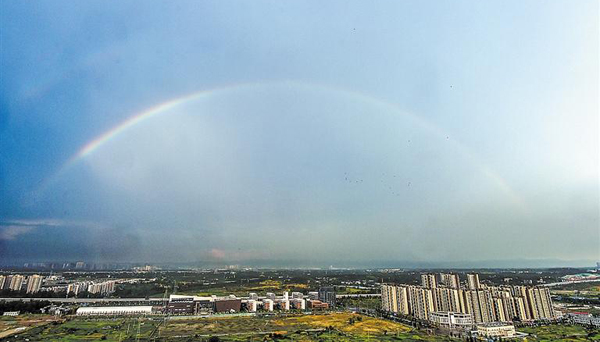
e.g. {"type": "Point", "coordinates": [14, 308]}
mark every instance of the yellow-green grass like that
{"type": "Point", "coordinates": [556, 332]}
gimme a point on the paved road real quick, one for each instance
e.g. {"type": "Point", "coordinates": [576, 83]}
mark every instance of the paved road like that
{"type": "Point", "coordinates": [572, 282]}
{"type": "Point", "coordinates": [144, 300]}
{"type": "Point", "coordinates": [86, 300]}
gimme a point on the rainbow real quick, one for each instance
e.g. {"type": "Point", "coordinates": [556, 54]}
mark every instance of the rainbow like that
{"type": "Point", "coordinates": [164, 107]}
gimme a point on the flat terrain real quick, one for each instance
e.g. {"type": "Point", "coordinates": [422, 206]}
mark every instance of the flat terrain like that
{"type": "Point", "coordinates": [345, 327]}
{"type": "Point", "coordinates": [19, 324]}
{"type": "Point", "coordinates": [322, 327]}
{"type": "Point", "coordinates": [557, 332]}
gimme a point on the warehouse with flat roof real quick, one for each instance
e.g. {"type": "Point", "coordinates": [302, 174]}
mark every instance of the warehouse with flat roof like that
{"type": "Point", "coordinates": [114, 310]}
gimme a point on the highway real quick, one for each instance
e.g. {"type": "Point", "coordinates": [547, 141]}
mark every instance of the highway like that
{"type": "Point", "coordinates": [153, 300]}
{"type": "Point", "coordinates": [88, 300]}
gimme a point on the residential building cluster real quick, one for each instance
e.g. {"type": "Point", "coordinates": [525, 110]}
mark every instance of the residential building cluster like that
{"type": "Point", "coordinates": [446, 302]}
{"type": "Point", "coordinates": [18, 282]}
{"type": "Point", "coordinates": [583, 318]}
{"type": "Point", "coordinates": [103, 288]}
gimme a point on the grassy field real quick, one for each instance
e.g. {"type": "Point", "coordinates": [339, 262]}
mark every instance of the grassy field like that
{"type": "Point", "coordinates": [90, 330]}
{"type": "Point", "coordinates": [561, 333]}
{"type": "Point", "coordinates": [21, 323]}
{"type": "Point", "coordinates": [323, 327]}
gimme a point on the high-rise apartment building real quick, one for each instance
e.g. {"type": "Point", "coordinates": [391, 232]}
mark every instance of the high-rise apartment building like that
{"type": "Point", "coordinates": [485, 304]}
{"type": "Point", "coordinates": [540, 303]}
{"type": "Point", "coordinates": [16, 282]}
{"type": "Point", "coordinates": [473, 281]}
{"type": "Point", "coordinates": [34, 283]}
{"type": "Point", "coordinates": [451, 280]}
{"type": "Point", "coordinates": [421, 302]}
{"type": "Point", "coordinates": [428, 280]}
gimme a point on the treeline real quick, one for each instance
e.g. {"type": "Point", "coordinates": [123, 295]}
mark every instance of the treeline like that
{"type": "Point", "coordinates": [139, 290]}
{"type": "Point", "coordinates": [24, 294]}
{"type": "Point", "coordinates": [31, 306]}
{"type": "Point", "coordinates": [47, 294]}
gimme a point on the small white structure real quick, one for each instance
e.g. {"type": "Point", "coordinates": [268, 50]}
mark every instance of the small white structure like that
{"type": "Point", "coordinates": [268, 304]}
{"type": "Point", "coordinates": [284, 304]}
{"type": "Point", "coordinates": [298, 303]}
{"type": "Point", "coordinates": [496, 329]}
{"type": "Point", "coordinates": [11, 313]}
{"type": "Point", "coordinates": [252, 305]}
{"type": "Point", "coordinates": [451, 320]}
{"type": "Point", "coordinates": [114, 311]}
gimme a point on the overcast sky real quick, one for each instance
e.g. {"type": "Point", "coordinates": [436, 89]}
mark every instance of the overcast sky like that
{"type": "Point", "coordinates": [311, 132]}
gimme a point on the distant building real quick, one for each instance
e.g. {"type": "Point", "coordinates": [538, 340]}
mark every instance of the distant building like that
{"type": "Point", "coordinates": [284, 305]}
{"type": "Point", "coordinates": [473, 281]}
{"type": "Point", "coordinates": [114, 311]}
{"type": "Point", "coordinates": [451, 280]}
{"type": "Point", "coordinates": [298, 303]}
{"type": "Point", "coordinates": [181, 305]}
{"type": "Point", "coordinates": [313, 295]}
{"type": "Point", "coordinates": [188, 305]}
{"type": "Point", "coordinates": [485, 305]}
{"type": "Point", "coordinates": [451, 320]}
{"type": "Point", "coordinates": [251, 305]}
{"type": "Point", "coordinates": [11, 313]}
{"type": "Point", "coordinates": [428, 280]}
{"type": "Point", "coordinates": [496, 329]}
{"type": "Point", "coordinates": [34, 283]}
{"type": "Point", "coordinates": [227, 305]}
{"type": "Point", "coordinates": [16, 282]}
{"type": "Point", "coordinates": [583, 318]}
{"type": "Point", "coordinates": [316, 305]}
{"type": "Point", "coordinates": [268, 304]}
{"type": "Point", "coordinates": [328, 295]}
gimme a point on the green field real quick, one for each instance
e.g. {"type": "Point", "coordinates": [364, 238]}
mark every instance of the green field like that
{"type": "Point", "coordinates": [323, 327]}
{"type": "Point", "coordinates": [561, 333]}
{"type": "Point", "coordinates": [90, 330]}
{"type": "Point", "coordinates": [345, 327]}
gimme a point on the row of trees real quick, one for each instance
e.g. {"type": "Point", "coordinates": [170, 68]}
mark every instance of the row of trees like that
{"type": "Point", "coordinates": [23, 306]}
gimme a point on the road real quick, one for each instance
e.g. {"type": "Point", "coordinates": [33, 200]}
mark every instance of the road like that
{"type": "Point", "coordinates": [88, 300]}
{"type": "Point", "coordinates": [157, 300]}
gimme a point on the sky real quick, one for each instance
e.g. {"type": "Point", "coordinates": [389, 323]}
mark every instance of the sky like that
{"type": "Point", "coordinates": [300, 133]}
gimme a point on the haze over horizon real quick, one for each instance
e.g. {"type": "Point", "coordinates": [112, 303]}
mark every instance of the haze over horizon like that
{"type": "Point", "coordinates": [300, 133]}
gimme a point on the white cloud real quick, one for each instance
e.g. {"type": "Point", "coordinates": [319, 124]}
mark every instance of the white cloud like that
{"type": "Point", "coordinates": [12, 232]}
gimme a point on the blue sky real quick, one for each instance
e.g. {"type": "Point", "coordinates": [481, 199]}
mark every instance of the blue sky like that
{"type": "Point", "coordinates": [415, 131]}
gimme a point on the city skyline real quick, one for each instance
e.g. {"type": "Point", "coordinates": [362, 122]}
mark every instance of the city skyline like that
{"type": "Point", "coordinates": [438, 135]}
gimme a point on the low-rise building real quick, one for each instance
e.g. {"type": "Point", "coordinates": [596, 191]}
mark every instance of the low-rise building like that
{"type": "Point", "coordinates": [451, 320]}
{"type": "Point", "coordinates": [268, 304]}
{"type": "Point", "coordinates": [316, 305]}
{"type": "Point", "coordinates": [114, 311]}
{"type": "Point", "coordinates": [298, 303]}
{"type": "Point", "coordinates": [251, 305]}
{"type": "Point", "coordinates": [496, 329]}
{"type": "Point", "coordinates": [583, 318]}
{"type": "Point", "coordinates": [227, 305]}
